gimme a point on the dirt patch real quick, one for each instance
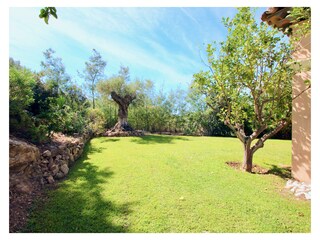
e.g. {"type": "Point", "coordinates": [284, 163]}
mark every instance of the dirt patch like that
{"type": "Point", "coordinates": [20, 205]}
{"type": "Point", "coordinates": [255, 168]}
{"type": "Point", "coordinates": [283, 171]}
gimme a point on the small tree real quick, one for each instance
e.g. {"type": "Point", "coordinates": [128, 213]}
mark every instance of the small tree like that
{"type": "Point", "coordinates": [93, 73]}
{"type": "Point", "coordinates": [123, 92]}
{"type": "Point", "coordinates": [250, 80]}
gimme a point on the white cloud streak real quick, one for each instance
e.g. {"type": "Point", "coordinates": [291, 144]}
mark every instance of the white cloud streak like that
{"type": "Point", "coordinates": [160, 42]}
{"type": "Point", "coordinates": [120, 45]}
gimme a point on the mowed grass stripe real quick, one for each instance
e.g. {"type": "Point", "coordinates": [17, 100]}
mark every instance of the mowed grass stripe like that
{"type": "Point", "coordinates": [172, 184]}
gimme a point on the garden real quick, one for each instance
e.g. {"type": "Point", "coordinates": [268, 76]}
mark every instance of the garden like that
{"type": "Point", "coordinates": [117, 153]}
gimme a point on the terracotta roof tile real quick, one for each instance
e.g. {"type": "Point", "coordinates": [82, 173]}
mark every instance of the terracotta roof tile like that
{"type": "Point", "coordinates": [277, 17]}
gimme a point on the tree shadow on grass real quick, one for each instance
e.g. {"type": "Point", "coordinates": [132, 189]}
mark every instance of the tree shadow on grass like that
{"type": "Point", "coordinates": [106, 139]}
{"type": "Point", "coordinates": [156, 139]}
{"type": "Point", "coordinates": [283, 172]}
{"type": "Point", "coordinates": [78, 204]}
{"type": "Point", "coordinates": [89, 149]}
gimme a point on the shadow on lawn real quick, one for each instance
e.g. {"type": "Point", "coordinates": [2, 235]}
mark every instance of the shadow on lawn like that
{"type": "Point", "coordinates": [283, 172]}
{"type": "Point", "coordinates": [110, 140]}
{"type": "Point", "coordinates": [78, 205]}
{"type": "Point", "coordinates": [154, 139]}
{"type": "Point", "coordinates": [88, 149]}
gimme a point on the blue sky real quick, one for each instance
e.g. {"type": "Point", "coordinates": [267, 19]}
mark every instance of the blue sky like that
{"type": "Point", "coordinates": [161, 44]}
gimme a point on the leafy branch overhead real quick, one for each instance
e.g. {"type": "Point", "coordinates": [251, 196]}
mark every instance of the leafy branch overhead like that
{"type": "Point", "coordinates": [300, 18]}
{"type": "Point", "coordinates": [301, 15]}
{"type": "Point", "coordinates": [46, 12]}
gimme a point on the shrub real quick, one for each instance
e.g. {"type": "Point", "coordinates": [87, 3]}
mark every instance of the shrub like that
{"type": "Point", "coordinates": [96, 121]}
{"type": "Point", "coordinates": [21, 83]}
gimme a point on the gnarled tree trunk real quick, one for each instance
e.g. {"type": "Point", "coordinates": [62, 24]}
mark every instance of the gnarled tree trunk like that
{"type": "Point", "coordinates": [123, 104]}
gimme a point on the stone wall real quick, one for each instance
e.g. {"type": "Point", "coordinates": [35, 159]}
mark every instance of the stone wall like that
{"type": "Point", "coordinates": [43, 164]}
{"type": "Point", "coordinates": [56, 160]}
{"type": "Point", "coordinates": [24, 160]}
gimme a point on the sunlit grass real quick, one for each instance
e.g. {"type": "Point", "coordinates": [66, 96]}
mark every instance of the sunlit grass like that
{"type": "Point", "coordinates": [172, 184]}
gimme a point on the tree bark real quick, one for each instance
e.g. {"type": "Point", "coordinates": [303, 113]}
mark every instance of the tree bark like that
{"type": "Point", "coordinates": [249, 151]}
{"type": "Point", "coordinates": [93, 103]}
{"type": "Point", "coordinates": [248, 156]}
{"type": "Point", "coordinates": [123, 105]}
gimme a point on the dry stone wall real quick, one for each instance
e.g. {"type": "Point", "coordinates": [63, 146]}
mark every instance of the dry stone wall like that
{"type": "Point", "coordinates": [55, 161]}
{"type": "Point", "coordinates": [24, 165]}
{"type": "Point", "coordinates": [43, 164]}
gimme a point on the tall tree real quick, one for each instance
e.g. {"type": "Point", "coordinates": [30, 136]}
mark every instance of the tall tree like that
{"type": "Point", "coordinates": [93, 73]}
{"type": "Point", "coordinates": [249, 78]}
{"type": "Point", "coordinates": [53, 72]}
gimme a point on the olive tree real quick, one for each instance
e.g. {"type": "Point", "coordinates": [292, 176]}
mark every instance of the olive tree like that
{"type": "Point", "coordinates": [249, 79]}
{"type": "Point", "coordinates": [123, 92]}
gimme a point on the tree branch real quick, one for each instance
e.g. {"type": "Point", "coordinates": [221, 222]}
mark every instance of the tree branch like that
{"type": "Point", "coordinates": [117, 98]}
{"type": "Point", "coordinates": [129, 98]}
{"type": "Point", "coordinates": [240, 134]}
{"type": "Point", "coordinates": [266, 136]}
{"type": "Point", "coordinates": [299, 94]}
{"type": "Point", "coordinates": [256, 133]}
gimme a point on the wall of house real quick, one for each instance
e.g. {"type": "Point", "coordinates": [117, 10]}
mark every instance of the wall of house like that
{"type": "Point", "coordinates": [301, 116]}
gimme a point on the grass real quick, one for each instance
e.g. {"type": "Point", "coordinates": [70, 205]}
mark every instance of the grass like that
{"type": "Point", "coordinates": [172, 184]}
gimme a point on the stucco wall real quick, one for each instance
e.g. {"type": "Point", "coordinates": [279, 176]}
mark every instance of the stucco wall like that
{"type": "Point", "coordinates": [301, 117]}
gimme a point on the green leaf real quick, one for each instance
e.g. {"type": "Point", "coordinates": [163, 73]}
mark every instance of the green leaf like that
{"type": "Point", "coordinates": [54, 14]}
{"type": "Point", "coordinates": [307, 81]}
{"type": "Point", "coordinates": [43, 13]}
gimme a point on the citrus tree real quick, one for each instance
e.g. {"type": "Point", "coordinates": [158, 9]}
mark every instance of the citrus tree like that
{"type": "Point", "coordinates": [249, 80]}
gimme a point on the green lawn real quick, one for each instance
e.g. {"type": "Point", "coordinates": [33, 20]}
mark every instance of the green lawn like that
{"type": "Point", "coordinates": [172, 184]}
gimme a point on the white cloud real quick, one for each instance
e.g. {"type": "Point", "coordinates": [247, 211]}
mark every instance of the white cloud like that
{"type": "Point", "coordinates": [124, 51]}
